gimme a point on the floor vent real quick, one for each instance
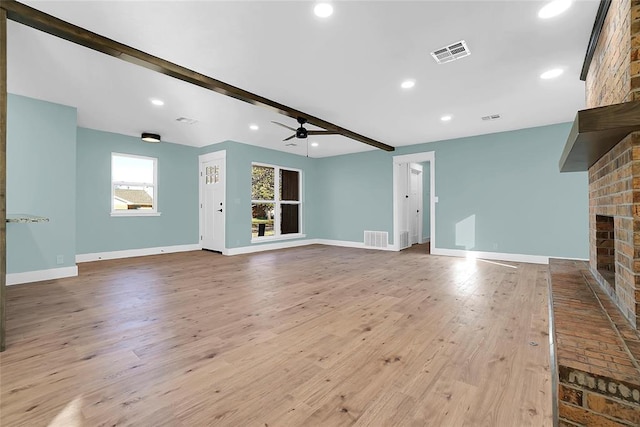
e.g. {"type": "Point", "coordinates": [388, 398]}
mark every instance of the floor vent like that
{"type": "Point", "coordinates": [376, 239]}
{"type": "Point", "coordinates": [404, 239]}
{"type": "Point", "coordinates": [451, 53]}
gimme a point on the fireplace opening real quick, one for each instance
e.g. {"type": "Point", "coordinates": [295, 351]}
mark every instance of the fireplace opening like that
{"type": "Point", "coordinates": [606, 248]}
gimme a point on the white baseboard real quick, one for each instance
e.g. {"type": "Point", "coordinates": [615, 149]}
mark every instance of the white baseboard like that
{"type": "Point", "coordinates": [128, 253]}
{"type": "Point", "coordinates": [349, 244]}
{"type": "Point", "coordinates": [532, 259]}
{"type": "Point", "coordinates": [268, 247]}
{"type": "Point", "coordinates": [298, 243]}
{"type": "Point", "coordinates": [40, 275]}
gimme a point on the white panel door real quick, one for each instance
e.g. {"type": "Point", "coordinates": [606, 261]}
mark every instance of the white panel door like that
{"type": "Point", "coordinates": [212, 201]}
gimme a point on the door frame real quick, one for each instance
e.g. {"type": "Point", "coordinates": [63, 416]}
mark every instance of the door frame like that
{"type": "Point", "coordinates": [417, 169]}
{"type": "Point", "coordinates": [216, 155]}
{"type": "Point", "coordinates": [430, 157]}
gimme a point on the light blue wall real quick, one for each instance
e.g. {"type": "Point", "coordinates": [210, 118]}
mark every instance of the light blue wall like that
{"type": "Point", "coordinates": [355, 191]}
{"type": "Point", "coordinates": [510, 183]}
{"type": "Point", "coordinates": [239, 160]}
{"type": "Point", "coordinates": [98, 231]}
{"type": "Point", "coordinates": [426, 194]}
{"type": "Point", "coordinates": [41, 180]}
{"type": "Point", "coordinates": [507, 184]}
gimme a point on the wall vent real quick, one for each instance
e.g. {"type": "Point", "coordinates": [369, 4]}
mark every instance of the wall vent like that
{"type": "Point", "coordinates": [404, 239]}
{"type": "Point", "coordinates": [186, 120]}
{"type": "Point", "coordinates": [491, 117]}
{"type": "Point", "coordinates": [451, 53]}
{"type": "Point", "coordinates": [376, 239]}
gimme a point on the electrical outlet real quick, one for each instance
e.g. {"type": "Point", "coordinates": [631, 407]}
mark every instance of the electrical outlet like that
{"type": "Point", "coordinates": [60, 259]}
{"type": "Point", "coordinates": [495, 246]}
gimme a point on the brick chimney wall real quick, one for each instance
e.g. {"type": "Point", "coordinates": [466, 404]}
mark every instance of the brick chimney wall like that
{"type": "Point", "coordinates": [614, 181]}
{"type": "Point", "coordinates": [614, 74]}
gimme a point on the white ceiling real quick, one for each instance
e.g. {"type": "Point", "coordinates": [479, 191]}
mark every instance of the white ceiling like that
{"type": "Point", "coordinates": [346, 69]}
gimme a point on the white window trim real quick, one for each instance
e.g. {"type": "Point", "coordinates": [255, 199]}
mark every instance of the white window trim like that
{"type": "Point", "coordinates": [277, 203]}
{"type": "Point", "coordinates": [129, 213]}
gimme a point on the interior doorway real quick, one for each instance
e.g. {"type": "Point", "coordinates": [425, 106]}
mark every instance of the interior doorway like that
{"type": "Point", "coordinates": [414, 200]}
{"type": "Point", "coordinates": [415, 208]}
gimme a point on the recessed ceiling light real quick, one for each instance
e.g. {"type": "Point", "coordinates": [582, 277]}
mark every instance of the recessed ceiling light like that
{"type": "Point", "coordinates": [446, 118]}
{"type": "Point", "coordinates": [554, 8]}
{"type": "Point", "coordinates": [323, 10]}
{"type": "Point", "coordinates": [254, 127]}
{"type": "Point", "coordinates": [551, 74]}
{"type": "Point", "coordinates": [158, 102]}
{"type": "Point", "coordinates": [314, 144]}
{"type": "Point", "coordinates": [408, 84]}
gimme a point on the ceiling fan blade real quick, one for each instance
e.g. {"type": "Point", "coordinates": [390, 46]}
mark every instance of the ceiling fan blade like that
{"type": "Point", "coordinates": [284, 126]}
{"type": "Point", "coordinates": [291, 137]}
{"type": "Point", "coordinates": [323, 132]}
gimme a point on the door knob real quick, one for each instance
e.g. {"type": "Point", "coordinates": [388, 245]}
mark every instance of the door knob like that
{"type": "Point", "coordinates": [219, 210]}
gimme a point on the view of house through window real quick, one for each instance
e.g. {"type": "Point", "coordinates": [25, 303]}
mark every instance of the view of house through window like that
{"type": "Point", "coordinates": [275, 201]}
{"type": "Point", "coordinates": [133, 184]}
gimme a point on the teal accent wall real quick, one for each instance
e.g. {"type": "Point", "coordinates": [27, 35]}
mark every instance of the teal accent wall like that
{"type": "Point", "coordinates": [98, 231]}
{"type": "Point", "coordinates": [509, 186]}
{"type": "Point", "coordinates": [41, 180]}
{"type": "Point", "coordinates": [426, 194]}
{"type": "Point", "coordinates": [355, 192]}
{"type": "Point", "coordinates": [239, 159]}
{"type": "Point", "coordinates": [500, 192]}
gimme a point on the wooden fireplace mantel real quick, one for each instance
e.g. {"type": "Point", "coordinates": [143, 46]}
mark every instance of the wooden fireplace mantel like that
{"type": "Point", "coordinates": [596, 131]}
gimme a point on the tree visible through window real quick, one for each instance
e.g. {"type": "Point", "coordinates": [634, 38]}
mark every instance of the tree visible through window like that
{"type": "Point", "coordinates": [133, 185]}
{"type": "Point", "coordinates": [275, 201]}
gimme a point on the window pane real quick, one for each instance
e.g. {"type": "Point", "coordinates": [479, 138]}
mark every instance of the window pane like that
{"type": "Point", "coordinates": [289, 188]}
{"type": "Point", "coordinates": [132, 197]}
{"type": "Point", "coordinates": [262, 219]}
{"type": "Point", "coordinates": [289, 219]}
{"type": "Point", "coordinates": [131, 169]}
{"type": "Point", "coordinates": [262, 183]}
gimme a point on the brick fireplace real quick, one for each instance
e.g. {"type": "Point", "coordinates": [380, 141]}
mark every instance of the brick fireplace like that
{"type": "Point", "coordinates": [613, 77]}
{"type": "Point", "coordinates": [596, 305]}
{"type": "Point", "coordinates": [614, 225]}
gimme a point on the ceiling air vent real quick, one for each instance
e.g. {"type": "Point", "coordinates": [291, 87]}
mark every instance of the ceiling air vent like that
{"type": "Point", "coordinates": [491, 117]}
{"type": "Point", "coordinates": [451, 53]}
{"type": "Point", "coordinates": [186, 120]}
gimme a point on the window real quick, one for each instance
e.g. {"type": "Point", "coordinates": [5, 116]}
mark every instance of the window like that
{"type": "Point", "coordinates": [134, 187]}
{"type": "Point", "coordinates": [275, 202]}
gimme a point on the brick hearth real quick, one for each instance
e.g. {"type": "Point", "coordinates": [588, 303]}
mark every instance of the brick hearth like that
{"type": "Point", "coordinates": [597, 353]}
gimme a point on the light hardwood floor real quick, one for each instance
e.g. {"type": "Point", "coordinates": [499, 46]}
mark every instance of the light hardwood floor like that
{"type": "Point", "coordinates": [312, 336]}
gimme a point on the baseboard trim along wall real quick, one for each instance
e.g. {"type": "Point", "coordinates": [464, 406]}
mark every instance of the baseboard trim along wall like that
{"type": "Point", "coordinates": [297, 243]}
{"type": "Point", "coordinates": [268, 247]}
{"type": "Point", "coordinates": [496, 256]}
{"type": "Point", "coordinates": [130, 253]}
{"type": "Point", "coordinates": [348, 244]}
{"type": "Point", "coordinates": [40, 275]}
{"type": "Point", "coordinates": [59, 273]}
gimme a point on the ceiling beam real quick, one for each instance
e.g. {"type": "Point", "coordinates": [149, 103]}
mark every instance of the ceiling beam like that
{"type": "Point", "coordinates": [34, 18]}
